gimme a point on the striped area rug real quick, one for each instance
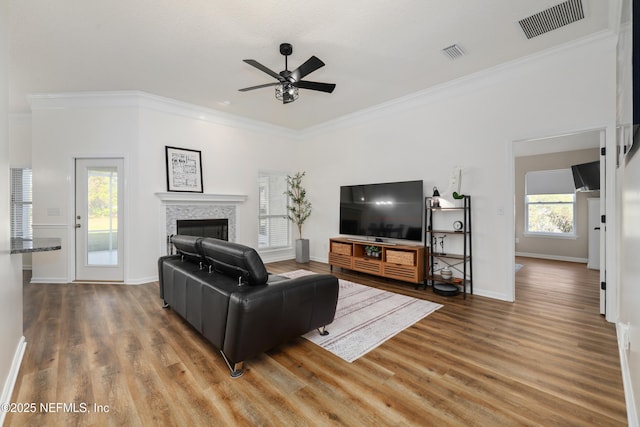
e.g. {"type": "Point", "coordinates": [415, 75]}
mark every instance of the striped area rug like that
{"type": "Point", "coordinates": [366, 317]}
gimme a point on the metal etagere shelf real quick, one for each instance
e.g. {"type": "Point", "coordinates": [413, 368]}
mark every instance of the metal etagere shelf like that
{"type": "Point", "coordinates": [459, 263]}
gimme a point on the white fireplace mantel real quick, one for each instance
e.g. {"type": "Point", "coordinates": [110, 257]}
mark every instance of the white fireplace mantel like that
{"type": "Point", "coordinates": [192, 198]}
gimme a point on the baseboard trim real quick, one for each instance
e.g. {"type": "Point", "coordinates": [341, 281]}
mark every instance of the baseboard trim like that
{"type": "Point", "coordinates": [492, 295]}
{"type": "Point", "coordinates": [10, 382]}
{"type": "Point", "coordinates": [553, 257]}
{"type": "Point", "coordinates": [141, 280]}
{"type": "Point", "coordinates": [52, 280]}
{"type": "Point", "coordinates": [629, 396]}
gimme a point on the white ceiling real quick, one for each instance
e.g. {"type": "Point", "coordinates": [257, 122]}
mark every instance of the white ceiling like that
{"type": "Point", "coordinates": [192, 50]}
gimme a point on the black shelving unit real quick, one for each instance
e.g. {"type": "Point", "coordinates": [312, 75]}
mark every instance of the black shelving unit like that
{"type": "Point", "coordinates": [461, 261]}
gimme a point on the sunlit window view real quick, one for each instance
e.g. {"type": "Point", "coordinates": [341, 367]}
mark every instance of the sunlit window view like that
{"type": "Point", "coordinates": [273, 227]}
{"type": "Point", "coordinates": [102, 221]}
{"type": "Point", "coordinates": [551, 213]}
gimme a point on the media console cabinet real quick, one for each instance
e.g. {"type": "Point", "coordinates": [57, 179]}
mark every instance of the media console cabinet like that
{"type": "Point", "coordinates": [395, 261]}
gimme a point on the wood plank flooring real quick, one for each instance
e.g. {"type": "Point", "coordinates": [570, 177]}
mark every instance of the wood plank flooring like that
{"type": "Point", "coordinates": [547, 359]}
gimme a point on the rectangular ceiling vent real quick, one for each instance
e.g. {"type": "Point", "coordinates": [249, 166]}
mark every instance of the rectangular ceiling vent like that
{"type": "Point", "coordinates": [553, 18]}
{"type": "Point", "coordinates": [454, 51]}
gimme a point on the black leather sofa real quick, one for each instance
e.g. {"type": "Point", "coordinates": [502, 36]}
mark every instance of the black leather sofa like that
{"type": "Point", "coordinates": [225, 292]}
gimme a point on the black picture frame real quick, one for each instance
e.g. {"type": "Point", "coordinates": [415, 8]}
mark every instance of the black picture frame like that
{"type": "Point", "coordinates": [184, 170]}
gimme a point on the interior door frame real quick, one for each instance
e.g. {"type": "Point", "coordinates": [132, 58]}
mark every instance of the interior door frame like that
{"type": "Point", "coordinates": [608, 206]}
{"type": "Point", "coordinates": [72, 259]}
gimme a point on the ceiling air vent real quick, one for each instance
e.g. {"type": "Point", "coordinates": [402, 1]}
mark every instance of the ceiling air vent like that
{"type": "Point", "coordinates": [454, 51]}
{"type": "Point", "coordinates": [553, 18]}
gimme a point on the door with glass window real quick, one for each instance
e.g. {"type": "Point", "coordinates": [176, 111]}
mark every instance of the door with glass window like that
{"type": "Point", "coordinates": [98, 219]}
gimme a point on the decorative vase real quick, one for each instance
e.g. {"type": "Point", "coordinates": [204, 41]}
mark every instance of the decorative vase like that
{"type": "Point", "coordinates": [302, 250]}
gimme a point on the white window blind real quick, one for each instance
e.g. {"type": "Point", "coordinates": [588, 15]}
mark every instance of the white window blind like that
{"type": "Point", "coordinates": [21, 203]}
{"type": "Point", "coordinates": [557, 181]}
{"type": "Point", "coordinates": [273, 228]}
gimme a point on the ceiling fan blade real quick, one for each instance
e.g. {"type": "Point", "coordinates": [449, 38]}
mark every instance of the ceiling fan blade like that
{"type": "Point", "coordinates": [309, 66]}
{"type": "Point", "coordinates": [261, 67]}
{"type": "Point", "coordinates": [323, 87]}
{"type": "Point", "coordinates": [259, 86]}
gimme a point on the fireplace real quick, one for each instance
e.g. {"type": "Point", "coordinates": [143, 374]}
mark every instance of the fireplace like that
{"type": "Point", "coordinates": [197, 206]}
{"type": "Point", "coordinates": [216, 227]}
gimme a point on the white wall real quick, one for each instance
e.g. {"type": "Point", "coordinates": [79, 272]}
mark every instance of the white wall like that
{"type": "Point", "coordinates": [11, 340]}
{"type": "Point", "coordinates": [470, 123]}
{"type": "Point", "coordinates": [232, 155]}
{"type": "Point", "coordinates": [20, 140]}
{"type": "Point", "coordinates": [59, 136]}
{"type": "Point", "coordinates": [629, 242]}
{"type": "Point", "coordinates": [630, 273]}
{"type": "Point", "coordinates": [137, 127]}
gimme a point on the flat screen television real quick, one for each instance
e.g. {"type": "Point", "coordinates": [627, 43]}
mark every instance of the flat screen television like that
{"type": "Point", "coordinates": [586, 176]}
{"type": "Point", "coordinates": [392, 210]}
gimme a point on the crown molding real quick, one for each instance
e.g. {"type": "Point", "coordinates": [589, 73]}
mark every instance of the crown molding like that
{"type": "Point", "coordinates": [145, 100]}
{"type": "Point", "coordinates": [606, 38]}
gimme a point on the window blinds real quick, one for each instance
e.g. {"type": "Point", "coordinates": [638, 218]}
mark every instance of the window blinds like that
{"type": "Point", "coordinates": [557, 181]}
{"type": "Point", "coordinates": [274, 227]}
{"type": "Point", "coordinates": [21, 203]}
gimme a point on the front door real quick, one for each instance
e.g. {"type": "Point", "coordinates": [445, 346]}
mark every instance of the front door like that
{"type": "Point", "coordinates": [99, 220]}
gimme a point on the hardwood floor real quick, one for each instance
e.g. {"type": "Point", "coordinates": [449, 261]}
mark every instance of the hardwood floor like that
{"type": "Point", "coordinates": [547, 359]}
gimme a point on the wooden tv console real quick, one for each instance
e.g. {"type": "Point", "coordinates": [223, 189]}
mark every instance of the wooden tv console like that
{"type": "Point", "coordinates": [400, 262]}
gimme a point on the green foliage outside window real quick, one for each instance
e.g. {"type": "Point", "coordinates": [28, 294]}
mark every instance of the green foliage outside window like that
{"type": "Point", "coordinates": [550, 213]}
{"type": "Point", "coordinates": [103, 200]}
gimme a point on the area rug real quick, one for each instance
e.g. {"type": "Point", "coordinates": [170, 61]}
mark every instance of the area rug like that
{"type": "Point", "coordinates": [366, 317]}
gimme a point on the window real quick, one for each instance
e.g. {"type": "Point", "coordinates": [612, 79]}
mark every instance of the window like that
{"type": "Point", "coordinates": [21, 203]}
{"type": "Point", "coordinates": [273, 227]}
{"type": "Point", "coordinates": [550, 202]}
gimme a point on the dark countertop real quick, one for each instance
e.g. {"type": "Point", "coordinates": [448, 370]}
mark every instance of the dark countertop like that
{"type": "Point", "coordinates": [23, 246]}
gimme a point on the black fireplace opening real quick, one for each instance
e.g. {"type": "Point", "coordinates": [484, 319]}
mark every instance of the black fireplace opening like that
{"type": "Point", "coordinates": [217, 227]}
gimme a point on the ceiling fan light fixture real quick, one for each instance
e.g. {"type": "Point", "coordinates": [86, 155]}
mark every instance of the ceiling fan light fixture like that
{"type": "Point", "coordinates": [286, 92]}
{"type": "Point", "coordinates": [290, 81]}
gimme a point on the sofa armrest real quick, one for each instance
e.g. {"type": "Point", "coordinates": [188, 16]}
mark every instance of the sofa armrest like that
{"type": "Point", "coordinates": [161, 272]}
{"type": "Point", "coordinates": [262, 317]}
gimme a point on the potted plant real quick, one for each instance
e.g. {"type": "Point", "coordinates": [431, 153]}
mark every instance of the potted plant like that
{"type": "Point", "coordinates": [373, 251]}
{"type": "Point", "coordinates": [299, 210]}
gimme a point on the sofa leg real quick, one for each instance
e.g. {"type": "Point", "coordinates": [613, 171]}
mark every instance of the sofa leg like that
{"type": "Point", "coordinates": [323, 331]}
{"type": "Point", "coordinates": [236, 369]}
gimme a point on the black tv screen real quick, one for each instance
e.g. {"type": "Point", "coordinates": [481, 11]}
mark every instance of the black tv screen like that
{"type": "Point", "coordinates": [586, 176]}
{"type": "Point", "coordinates": [391, 210]}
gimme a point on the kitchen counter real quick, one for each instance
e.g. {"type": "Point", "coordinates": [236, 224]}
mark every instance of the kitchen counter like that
{"type": "Point", "coordinates": [23, 246]}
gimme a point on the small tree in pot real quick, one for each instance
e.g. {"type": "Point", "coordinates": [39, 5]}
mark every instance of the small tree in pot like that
{"type": "Point", "coordinates": [299, 211]}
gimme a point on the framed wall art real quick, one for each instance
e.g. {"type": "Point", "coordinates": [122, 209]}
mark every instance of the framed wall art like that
{"type": "Point", "coordinates": [184, 170]}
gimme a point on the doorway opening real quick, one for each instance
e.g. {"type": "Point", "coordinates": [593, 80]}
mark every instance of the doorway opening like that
{"type": "Point", "coordinates": [556, 155]}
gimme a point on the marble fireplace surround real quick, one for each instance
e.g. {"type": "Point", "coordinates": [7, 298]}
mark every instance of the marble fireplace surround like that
{"type": "Point", "coordinates": [177, 206]}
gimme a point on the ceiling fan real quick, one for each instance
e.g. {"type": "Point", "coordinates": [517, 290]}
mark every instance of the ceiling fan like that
{"type": "Point", "coordinates": [290, 81]}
